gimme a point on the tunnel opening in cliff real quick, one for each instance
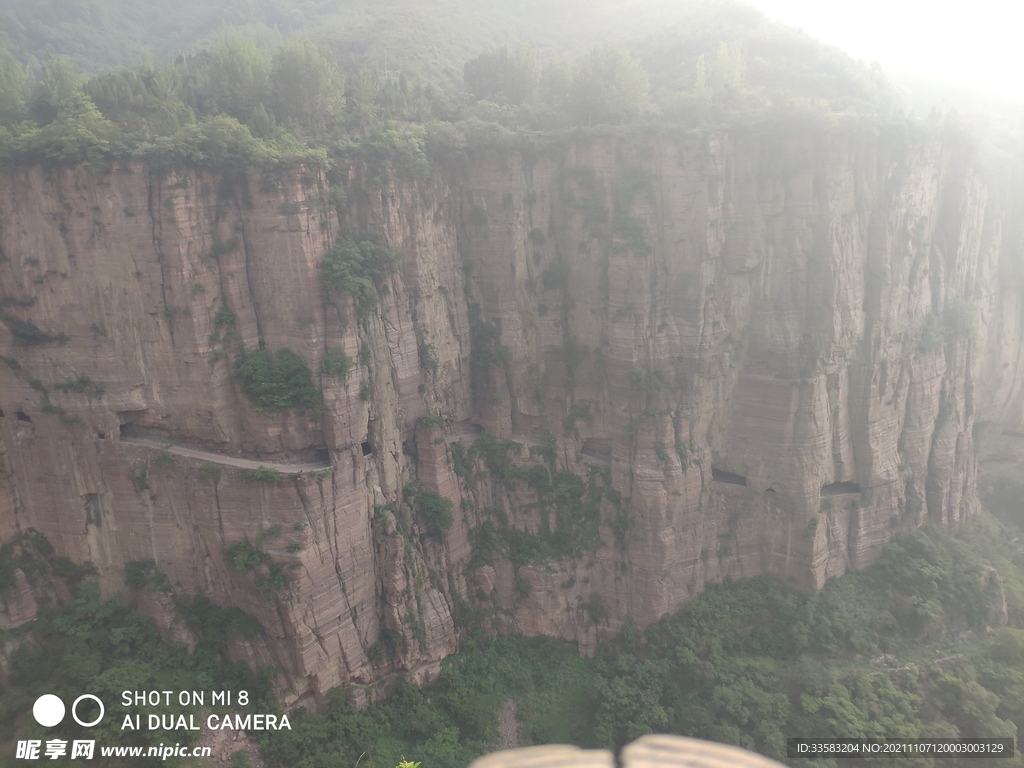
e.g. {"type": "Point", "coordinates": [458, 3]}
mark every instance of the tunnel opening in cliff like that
{"type": "Point", "coordinates": [597, 449]}
{"type": "Point", "coordinates": [838, 489]}
{"type": "Point", "coordinates": [367, 448]}
{"type": "Point", "coordinates": [93, 509]}
{"type": "Point", "coordinates": [722, 476]}
{"type": "Point", "coordinates": [22, 416]}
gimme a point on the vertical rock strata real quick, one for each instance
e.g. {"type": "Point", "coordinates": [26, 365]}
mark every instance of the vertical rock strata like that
{"type": "Point", "coordinates": [764, 352]}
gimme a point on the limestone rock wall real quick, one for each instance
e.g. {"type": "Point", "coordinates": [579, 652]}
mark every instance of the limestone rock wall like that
{"type": "Point", "coordinates": [156, 284]}
{"type": "Point", "coordinates": [778, 337]}
{"type": "Point", "coordinates": [771, 348]}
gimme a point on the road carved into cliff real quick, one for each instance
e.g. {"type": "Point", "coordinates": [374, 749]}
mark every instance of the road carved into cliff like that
{"type": "Point", "coordinates": [231, 461]}
{"type": "Point", "coordinates": [467, 438]}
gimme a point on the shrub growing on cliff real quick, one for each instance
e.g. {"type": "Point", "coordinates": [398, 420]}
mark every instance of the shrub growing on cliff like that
{"type": "Point", "coordinates": [436, 510]}
{"type": "Point", "coordinates": [267, 475]}
{"type": "Point", "coordinates": [209, 471]}
{"type": "Point", "coordinates": [28, 334]}
{"type": "Point", "coordinates": [357, 268]}
{"type": "Point", "coordinates": [931, 337]}
{"type": "Point", "coordinates": [386, 647]}
{"type": "Point", "coordinates": [144, 574]}
{"type": "Point", "coordinates": [27, 553]}
{"type": "Point", "coordinates": [432, 420]}
{"type": "Point", "coordinates": [267, 576]}
{"type": "Point", "coordinates": [523, 587]}
{"type": "Point", "coordinates": [273, 580]}
{"type": "Point", "coordinates": [961, 319]}
{"type": "Point", "coordinates": [165, 460]}
{"type": "Point", "coordinates": [597, 609]}
{"type": "Point", "coordinates": [485, 353]}
{"type": "Point", "coordinates": [428, 356]}
{"type": "Point", "coordinates": [218, 249]}
{"type": "Point", "coordinates": [276, 383]}
{"type": "Point", "coordinates": [242, 555]}
{"type": "Point", "coordinates": [82, 384]}
{"type": "Point", "coordinates": [496, 454]}
{"type": "Point", "coordinates": [222, 317]}
{"type": "Point", "coordinates": [336, 363]}
{"type": "Point", "coordinates": [140, 480]}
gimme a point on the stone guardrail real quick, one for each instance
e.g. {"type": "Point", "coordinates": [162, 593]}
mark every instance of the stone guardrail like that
{"type": "Point", "coordinates": [656, 751]}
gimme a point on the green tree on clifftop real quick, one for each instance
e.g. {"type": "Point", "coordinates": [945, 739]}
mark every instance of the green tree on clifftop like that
{"type": "Point", "coordinates": [239, 77]}
{"type": "Point", "coordinates": [504, 75]}
{"type": "Point", "coordinates": [608, 85]}
{"type": "Point", "coordinates": [79, 136]}
{"type": "Point", "coordinates": [309, 91]}
{"type": "Point", "coordinates": [15, 91]}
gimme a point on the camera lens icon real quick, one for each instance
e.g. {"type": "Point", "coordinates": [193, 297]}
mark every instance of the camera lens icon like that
{"type": "Point", "coordinates": [49, 710]}
{"type": "Point", "coordinates": [79, 700]}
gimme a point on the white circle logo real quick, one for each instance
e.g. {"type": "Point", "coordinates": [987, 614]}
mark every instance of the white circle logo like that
{"type": "Point", "coordinates": [48, 710]}
{"type": "Point", "coordinates": [74, 708]}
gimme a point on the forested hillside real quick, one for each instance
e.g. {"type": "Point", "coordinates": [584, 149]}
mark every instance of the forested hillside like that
{"type": "Point", "coordinates": [272, 83]}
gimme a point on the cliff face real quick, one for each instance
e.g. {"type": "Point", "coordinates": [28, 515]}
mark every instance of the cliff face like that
{"type": "Point", "coordinates": [757, 352]}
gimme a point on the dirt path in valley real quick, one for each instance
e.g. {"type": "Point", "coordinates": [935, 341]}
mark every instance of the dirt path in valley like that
{"type": "Point", "coordinates": [508, 728]}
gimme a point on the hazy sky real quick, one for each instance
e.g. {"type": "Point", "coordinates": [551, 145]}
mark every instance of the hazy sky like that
{"type": "Point", "coordinates": [978, 43]}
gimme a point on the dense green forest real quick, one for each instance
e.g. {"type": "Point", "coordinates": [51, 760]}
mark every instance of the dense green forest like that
{"type": "Point", "coordinates": [929, 642]}
{"type": "Point", "coordinates": [314, 82]}
{"type": "Point", "coordinates": [104, 647]}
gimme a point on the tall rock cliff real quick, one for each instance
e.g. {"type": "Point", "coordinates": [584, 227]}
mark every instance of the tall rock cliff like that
{"type": "Point", "coordinates": [691, 358]}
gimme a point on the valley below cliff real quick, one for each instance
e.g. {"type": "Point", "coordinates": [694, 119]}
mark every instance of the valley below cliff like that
{"type": "Point", "coordinates": [634, 364]}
